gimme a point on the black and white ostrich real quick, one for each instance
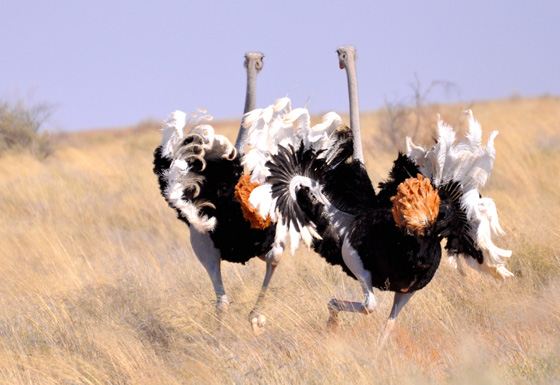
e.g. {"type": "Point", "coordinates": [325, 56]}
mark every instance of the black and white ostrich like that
{"type": "Point", "coordinates": [201, 176]}
{"type": "Point", "coordinates": [389, 239]}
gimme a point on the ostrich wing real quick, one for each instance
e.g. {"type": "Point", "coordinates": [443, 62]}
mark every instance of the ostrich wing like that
{"type": "Point", "coordinates": [469, 164]}
{"type": "Point", "coordinates": [189, 155]}
{"type": "Point", "coordinates": [285, 153]}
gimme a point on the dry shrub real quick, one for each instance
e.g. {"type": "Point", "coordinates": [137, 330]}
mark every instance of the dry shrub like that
{"type": "Point", "coordinates": [20, 129]}
{"type": "Point", "coordinates": [414, 116]}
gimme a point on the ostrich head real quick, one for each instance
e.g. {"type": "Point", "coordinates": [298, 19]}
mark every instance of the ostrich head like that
{"type": "Point", "coordinates": [254, 60]}
{"type": "Point", "coordinates": [346, 55]}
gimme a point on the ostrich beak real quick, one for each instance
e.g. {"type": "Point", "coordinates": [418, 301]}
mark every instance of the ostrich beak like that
{"type": "Point", "coordinates": [341, 64]}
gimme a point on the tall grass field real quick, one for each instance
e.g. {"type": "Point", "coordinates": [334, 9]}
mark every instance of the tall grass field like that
{"type": "Point", "coordinates": [99, 285]}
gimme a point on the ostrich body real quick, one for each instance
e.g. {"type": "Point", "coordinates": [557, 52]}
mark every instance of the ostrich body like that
{"type": "Point", "coordinates": [389, 239]}
{"type": "Point", "coordinates": [200, 176]}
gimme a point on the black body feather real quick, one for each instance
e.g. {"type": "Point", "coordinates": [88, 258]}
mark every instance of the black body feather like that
{"type": "Point", "coordinates": [330, 245]}
{"type": "Point", "coordinates": [397, 261]}
{"type": "Point", "coordinates": [349, 188]}
{"type": "Point", "coordinates": [233, 236]}
{"type": "Point", "coordinates": [286, 164]}
{"type": "Point", "coordinates": [403, 168]}
{"type": "Point", "coordinates": [454, 225]}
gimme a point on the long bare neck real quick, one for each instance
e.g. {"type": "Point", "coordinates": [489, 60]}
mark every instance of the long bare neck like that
{"type": "Point", "coordinates": [253, 64]}
{"type": "Point", "coordinates": [348, 60]}
{"type": "Point", "coordinates": [354, 109]}
{"type": "Point", "coordinates": [251, 91]}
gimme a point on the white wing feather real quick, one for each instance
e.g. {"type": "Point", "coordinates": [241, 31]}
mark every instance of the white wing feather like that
{"type": "Point", "coordinates": [271, 127]}
{"type": "Point", "coordinates": [467, 162]}
{"type": "Point", "coordinates": [179, 175]}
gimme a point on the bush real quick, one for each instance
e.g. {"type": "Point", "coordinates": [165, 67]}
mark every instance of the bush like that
{"type": "Point", "coordinates": [414, 117]}
{"type": "Point", "coordinates": [20, 129]}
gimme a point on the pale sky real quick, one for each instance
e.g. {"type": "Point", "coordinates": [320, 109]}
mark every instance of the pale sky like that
{"type": "Point", "coordinates": [112, 63]}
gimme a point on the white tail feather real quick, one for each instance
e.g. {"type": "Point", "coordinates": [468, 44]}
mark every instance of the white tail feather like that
{"type": "Point", "coordinates": [468, 163]}
{"type": "Point", "coordinates": [488, 207]}
{"type": "Point", "coordinates": [172, 132]}
{"type": "Point", "coordinates": [277, 125]}
{"type": "Point", "coordinates": [474, 131]}
{"type": "Point", "coordinates": [180, 176]}
{"type": "Point", "coordinates": [267, 129]}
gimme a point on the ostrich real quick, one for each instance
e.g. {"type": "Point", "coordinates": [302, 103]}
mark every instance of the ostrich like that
{"type": "Point", "coordinates": [200, 176]}
{"type": "Point", "coordinates": [389, 239]}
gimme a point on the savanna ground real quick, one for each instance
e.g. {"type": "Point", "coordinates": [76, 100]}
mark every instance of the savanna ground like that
{"type": "Point", "coordinates": [98, 284]}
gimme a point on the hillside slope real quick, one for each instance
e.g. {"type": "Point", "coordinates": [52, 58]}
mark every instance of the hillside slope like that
{"type": "Point", "coordinates": [99, 285]}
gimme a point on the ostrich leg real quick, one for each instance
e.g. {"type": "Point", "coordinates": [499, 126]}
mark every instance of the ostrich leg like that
{"type": "Point", "coordinates": [272, 258]}
{"type": "Point", "coordinates": [353, 261]}
{"type": "Point", "coordinates": [209, 256]}
{"type": "Point", "coordinates": [257, 319]}
{"type": "Point", "coordinates": [253, 65]}
{"type": "Point", "coordinates": [399, 301]}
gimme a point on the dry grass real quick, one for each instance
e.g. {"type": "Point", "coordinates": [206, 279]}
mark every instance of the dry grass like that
{"type": "Point", "coordinates": [99, 285]}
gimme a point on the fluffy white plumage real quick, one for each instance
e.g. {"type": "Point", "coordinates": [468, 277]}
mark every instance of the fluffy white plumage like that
{"type": "Point", "coordinates": [268, 128]}
{"type": "Point", "coordinates": [179, 176]}
{"type": "Point", "coordinates": [261, 199]}
{"type": "Point", "coordinates": [469, 163]}
{"type": "Point", "coordinates": [279, 124]}
{"type": "Point", "coordinates": [172, 133]}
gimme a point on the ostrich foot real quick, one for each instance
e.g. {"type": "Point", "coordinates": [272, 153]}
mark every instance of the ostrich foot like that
{"type": "Point", "coordinates": [336, 306]}
{"type": "Point", "coordinates": [222, 306]}
{"type": "Point", "coordinates": [258, 322]}
{"type": "Point", "coordinates": [333, 322]}
{"type": "Point", "coordinates": [384, 337]}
